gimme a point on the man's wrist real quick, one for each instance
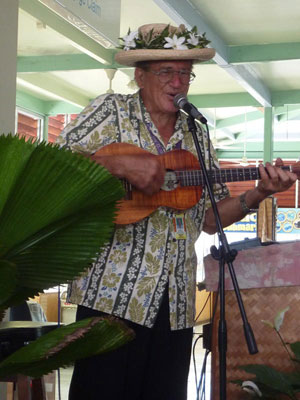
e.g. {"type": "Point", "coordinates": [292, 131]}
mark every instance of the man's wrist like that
{"type": "Point", "coordinates": [246, 210]}
{"type": "Point", "coordinates": [251, 198]}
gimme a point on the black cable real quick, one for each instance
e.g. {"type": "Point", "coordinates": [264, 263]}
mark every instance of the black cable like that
{"type": "Point", "coordinates": [58, 325]}
{"type": "Point", "coordinates": [207, 299]}
{"type": "Point", "coordinates": [201, 385]}
{"type": "Point", "coordinates": [202, 381]}
{"type": "Point", "coordinates": [58, 384]}
{"type": "Point", "coordinates": [195, 343]}
{"type": "Point", "coordinates": [204, 375]}
{"type": "Point", "coordinates": [194, 357]}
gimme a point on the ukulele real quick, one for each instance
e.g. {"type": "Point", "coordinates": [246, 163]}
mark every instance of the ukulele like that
{"type": "Point", "coordinates": [182, 186]}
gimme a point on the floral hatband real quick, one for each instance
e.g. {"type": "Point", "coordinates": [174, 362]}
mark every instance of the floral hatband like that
{"type": "Point", "coordinates": [154, 42]}
{"type": "Point", "coordinates": [168, 38]}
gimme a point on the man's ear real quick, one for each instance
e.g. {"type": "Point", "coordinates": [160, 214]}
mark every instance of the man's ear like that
{"type": "Point", "coordinates": [139, 74]}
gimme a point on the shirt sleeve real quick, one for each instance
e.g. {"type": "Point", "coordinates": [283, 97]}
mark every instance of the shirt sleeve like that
{"type": "Point", "coordinates": [93, 128]}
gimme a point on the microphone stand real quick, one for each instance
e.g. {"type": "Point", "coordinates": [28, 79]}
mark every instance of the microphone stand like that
{"type": "Point", "coordinates": [224, 254]}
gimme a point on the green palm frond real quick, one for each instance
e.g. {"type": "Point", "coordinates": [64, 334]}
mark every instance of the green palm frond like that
{"type": "Point", "coordinates": [56, 211]}
{"type": "Point", "coordinates": [62, 346]}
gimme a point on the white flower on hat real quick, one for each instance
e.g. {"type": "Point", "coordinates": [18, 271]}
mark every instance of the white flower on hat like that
{"type": "Point", "coordinates": [129, 40]}
{"type": "Point", "coordinates": [175, 43]}
{"type": "Point", "coordinates": [193, 39]}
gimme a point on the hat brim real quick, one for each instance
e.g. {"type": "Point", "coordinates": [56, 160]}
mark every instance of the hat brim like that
{"type": "Point", "coordinates": [131, 57]}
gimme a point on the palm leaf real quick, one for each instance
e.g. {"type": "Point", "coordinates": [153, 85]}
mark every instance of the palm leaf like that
{"type": "Point", "coordinates": [61, 347]}
{"type": "Point", "coordinates": [8, 281]}
{"type": "Point", "coordinates": [56, 211]}
{"type": "Point", "coordinates": [296, 350]}
{"type": "Point", "coordinates": [51, 185]}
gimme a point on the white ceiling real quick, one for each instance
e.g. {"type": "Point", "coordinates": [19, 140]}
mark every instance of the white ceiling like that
{"type": "Point", "coordinates": [257, 63]}
{"type": "Point", "coordinates": [242, 22]}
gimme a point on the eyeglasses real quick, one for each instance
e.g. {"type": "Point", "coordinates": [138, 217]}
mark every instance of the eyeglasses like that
{"type": "Point", "coordinates": [166, 75]}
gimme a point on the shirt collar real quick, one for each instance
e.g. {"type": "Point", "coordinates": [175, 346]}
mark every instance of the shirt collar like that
{"type": "Point", "coordinates": [181, 127]}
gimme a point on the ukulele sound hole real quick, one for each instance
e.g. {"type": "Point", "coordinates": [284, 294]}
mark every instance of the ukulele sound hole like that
{"type": "Point", "coordinates": [170, 182]}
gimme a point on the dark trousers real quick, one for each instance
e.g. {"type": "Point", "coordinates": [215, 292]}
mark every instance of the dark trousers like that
{"type": "Point", "coordinates": [154, 366]}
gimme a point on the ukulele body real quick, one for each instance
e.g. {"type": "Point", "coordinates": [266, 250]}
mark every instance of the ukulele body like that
{"type": "Point", "coordinates": [137, 205]}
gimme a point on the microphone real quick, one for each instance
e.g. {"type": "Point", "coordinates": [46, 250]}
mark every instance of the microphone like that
{"type": "Point", "coordinates": [180, 101]}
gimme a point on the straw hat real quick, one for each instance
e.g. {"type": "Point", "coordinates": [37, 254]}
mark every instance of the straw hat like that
{"type": "Point", "coordinates": [154, 42]}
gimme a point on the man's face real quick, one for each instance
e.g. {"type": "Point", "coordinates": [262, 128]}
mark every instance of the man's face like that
{"type": "Point", "coordinates": [158, 91]}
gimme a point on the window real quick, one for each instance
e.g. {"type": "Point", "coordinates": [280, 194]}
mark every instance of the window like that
{"type": "Point", "coordinates": [29, 125]}
{"type": "Point", "coordinates": [55, 126]}
{"type": "Point", "coordinates": [57, 123]}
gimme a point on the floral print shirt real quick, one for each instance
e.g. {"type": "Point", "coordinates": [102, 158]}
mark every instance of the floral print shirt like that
{"type": "Point", "coordinates": [143, 259]}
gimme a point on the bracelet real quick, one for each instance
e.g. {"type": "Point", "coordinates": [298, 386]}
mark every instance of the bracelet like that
{"type": "Point", "coordinates": [243, 203]}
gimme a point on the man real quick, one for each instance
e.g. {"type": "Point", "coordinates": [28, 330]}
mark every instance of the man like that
{"type": "Point", "coordinates": [146, 275]}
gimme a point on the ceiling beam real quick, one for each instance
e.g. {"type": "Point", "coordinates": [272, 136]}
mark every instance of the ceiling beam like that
{"type": "Point", "coordinates": [223, 100]}
{"type": "Point", "coordinates": [224, 133]}
{"type": "Point", "coordinates": [30, 103]}
{"type": "Point", "coordinates": [279, 99]}
{"type": "Point", "coordinates": [287, 113]}
{"type": "Point", "coordinates": [61, 107]}
{"type": "Point", "coordinates": [254, 116]}
{"type": "Point", "coordinates": [182, 11]}
{"type": "Point", "coordinates": [44, 107]}
{"type": "Point", "coordinates": [211, 121]}
{"type": "Point", "coordinates": [77, 38]}
{"type": "Point", "coordinates": [59, 62]}
{"type": "Point", "coordinates": [51, 87]}
{"type": "Point", "coordinates": [239, 119]}
{"type": "Point", "coordinates": [264, 52]}
{"type": "Point", "coordinates": [237, 54]}
{"type": "Point", "coordinates": [66, 62]}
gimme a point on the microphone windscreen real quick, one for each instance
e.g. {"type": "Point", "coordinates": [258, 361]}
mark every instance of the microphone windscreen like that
{"type": "Point", "coordinates": [179, 100]}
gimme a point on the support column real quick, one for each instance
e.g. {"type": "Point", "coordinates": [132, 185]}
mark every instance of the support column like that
{"type": "Point", "coordinates": [45, 128]}
{"type": "Point", "coordinates": [8, 75]}
{"type": "Point", "coordinates": [8, 69]}
{"type": "Point", "coordinates": [268, 134]}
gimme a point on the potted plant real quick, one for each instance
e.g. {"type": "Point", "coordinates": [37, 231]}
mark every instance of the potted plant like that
{"type": "Point", "coordinates": [272, 383]}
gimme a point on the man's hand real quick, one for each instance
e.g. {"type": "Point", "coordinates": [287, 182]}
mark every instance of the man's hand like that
{"type": "Point", "coordinates": [274, 179]}
{"type": "Point", "coordinates": [144, 172]}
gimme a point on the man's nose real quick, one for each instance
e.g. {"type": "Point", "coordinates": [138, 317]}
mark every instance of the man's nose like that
{"type": "Point", "coordinates": [176, 79]}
